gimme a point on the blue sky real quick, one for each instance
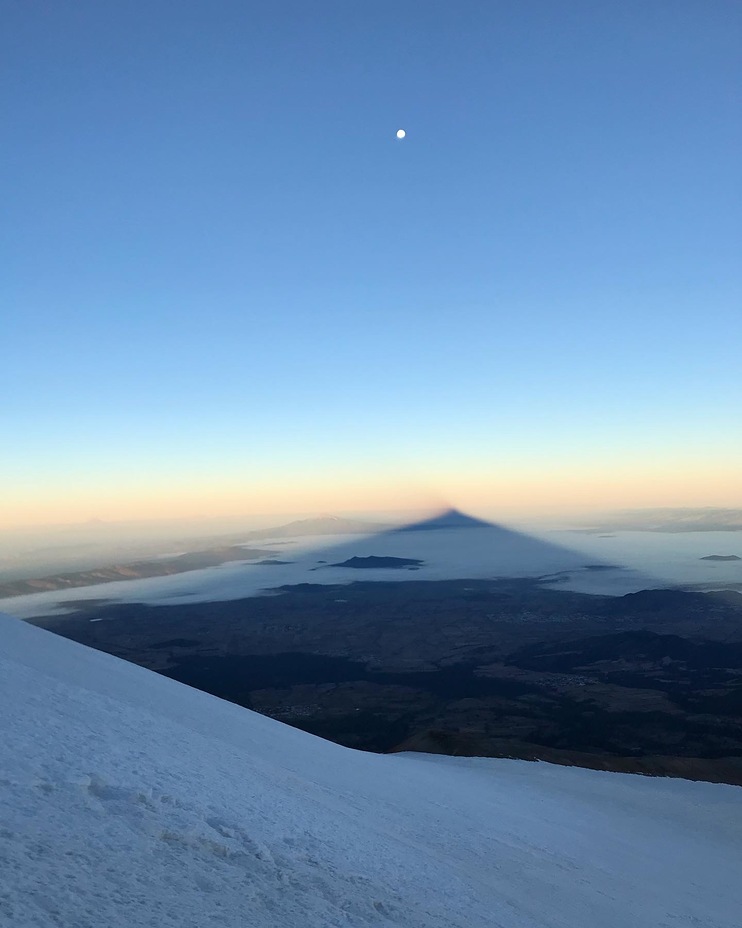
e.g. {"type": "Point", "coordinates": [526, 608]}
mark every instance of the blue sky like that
{"type": "Point", "coordinates": [222, 269]}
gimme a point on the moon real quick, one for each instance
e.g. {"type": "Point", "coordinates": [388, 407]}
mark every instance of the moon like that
{"type": "Point", "coordinates": [401, 133]}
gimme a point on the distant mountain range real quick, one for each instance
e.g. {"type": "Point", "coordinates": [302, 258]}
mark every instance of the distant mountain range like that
{"type": "Point", "coordinates": [222, 551]}
{"type": "Point", "coordinates": [670, 520]}
{"type": "Point", "coordinates": [324, 525]}
{"type": "Point", "coordinates": [136, 570]}
{"type": "Point", "coordinates": [225, 549]}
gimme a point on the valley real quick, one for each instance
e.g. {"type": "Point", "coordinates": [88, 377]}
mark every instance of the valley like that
{"type": "Point", "coordinates": [647, 682]}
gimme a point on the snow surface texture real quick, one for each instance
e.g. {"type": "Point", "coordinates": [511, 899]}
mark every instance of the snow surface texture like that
{"type": "Point", "coordinates": [130, 800]}
{"type": "Point", "coordinates": [644, 560]}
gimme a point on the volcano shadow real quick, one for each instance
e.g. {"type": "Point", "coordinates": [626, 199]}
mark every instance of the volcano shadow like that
{"type": "Point", "coordinates": [447, 546]}
{"type": "Point", "coordinates": [454, 545]}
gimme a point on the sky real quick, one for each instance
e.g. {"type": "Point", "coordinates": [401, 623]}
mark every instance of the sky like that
{"type": "Point", "coordinates": [228, 287]}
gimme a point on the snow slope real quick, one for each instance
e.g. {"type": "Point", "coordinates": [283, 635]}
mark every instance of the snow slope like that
{"type": "Point", "coordinates": [127, 799]}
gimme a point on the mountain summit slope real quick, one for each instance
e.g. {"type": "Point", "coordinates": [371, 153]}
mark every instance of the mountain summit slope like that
{"type": "Point", "coordinates": [130, 800]}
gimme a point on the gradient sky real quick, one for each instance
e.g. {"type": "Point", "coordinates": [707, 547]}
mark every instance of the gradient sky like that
{"type": "Point", "coordinates": [227, 286]}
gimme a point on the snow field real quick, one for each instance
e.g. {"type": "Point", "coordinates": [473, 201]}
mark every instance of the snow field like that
{"type": "Point", "coordinates": [130, 800]}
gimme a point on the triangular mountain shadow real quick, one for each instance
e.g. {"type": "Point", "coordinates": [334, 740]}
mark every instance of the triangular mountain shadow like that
{"type": "Point", "coordinates": [453, 545]}
{"type": "Point", "coordinates": [447, 546]}
{"type": "Point", "coordinates": [449, 518]}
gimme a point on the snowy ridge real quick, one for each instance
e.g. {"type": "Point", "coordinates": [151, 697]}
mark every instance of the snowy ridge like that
{"type": "Point", "coordinates": [130, 800]}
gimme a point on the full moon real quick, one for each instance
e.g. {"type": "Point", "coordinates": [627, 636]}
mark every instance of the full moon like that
{"type": "Point", "coordinates": [401, 133]}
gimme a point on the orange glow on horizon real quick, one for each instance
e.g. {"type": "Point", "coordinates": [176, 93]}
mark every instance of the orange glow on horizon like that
{"type": "Point", "coordinates": [528, 492]}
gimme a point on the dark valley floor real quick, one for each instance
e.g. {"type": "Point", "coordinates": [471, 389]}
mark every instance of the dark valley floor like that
{"type": "Point", "coordinates": [649, 682]}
